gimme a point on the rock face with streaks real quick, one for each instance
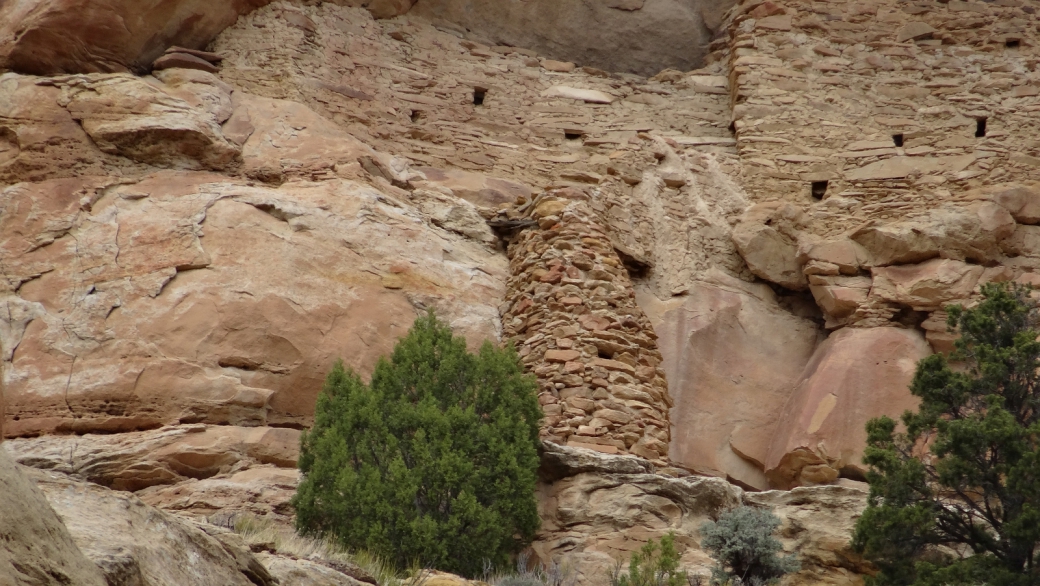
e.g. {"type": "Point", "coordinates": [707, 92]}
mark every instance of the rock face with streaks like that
{"type": "Point", "coordinates": [720, 265]}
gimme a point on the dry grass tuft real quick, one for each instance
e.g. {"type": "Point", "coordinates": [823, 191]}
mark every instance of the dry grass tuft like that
{"type": "Point", "coordinates": [263, 534]}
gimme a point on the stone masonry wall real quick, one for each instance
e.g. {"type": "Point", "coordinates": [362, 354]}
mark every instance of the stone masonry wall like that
{"type": "Point", "coordinates": [887, 134]}
{"type": "Point", "coordinates": [573, 317]}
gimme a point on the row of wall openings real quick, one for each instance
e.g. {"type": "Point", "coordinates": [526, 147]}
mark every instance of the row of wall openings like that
{"type": "Point", "coordinates": [980, 131]}
{"type": "Point", "coordinates": [819, 188]}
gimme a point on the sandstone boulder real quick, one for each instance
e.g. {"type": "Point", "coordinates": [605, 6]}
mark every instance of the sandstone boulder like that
{"type": "Point", "coordinates": [1021, 201]}
{"type": "Point", "coordinates": [260, 490]}
{"type": "Point", "coordinates": [816, 523]}
{"type": "Point", "coordinates": [839, 297]}
{"type": "Point", "coordinates": [134, 543]}
{"type": "Point", "coordinates": [39, 139]}
{"type": "Point", "coordinates": [300, 572]}
{"type": "Point", "coordinates": [767, 238]}
{"type": "Point", "coordinates": [961, 233]}
{"type": "Point", "coordinates": [856, 375]}
{"type": "Point", "coordinates": [732, 357]}
{"type": "Point", "coordinates": [125, 115]}
{"type": "Point", "coordinates": [36, 549]}
{"type": "Point", "coordinates": [598, 515]}
{"type": "Point", "coordinates": [844, 253]}
{"type": "Point", "coordinates": [1024, 242]}
{"type": "Point", "coordinates": [592, 519]}
{"type": "Point", "coordinates": [927, 285]}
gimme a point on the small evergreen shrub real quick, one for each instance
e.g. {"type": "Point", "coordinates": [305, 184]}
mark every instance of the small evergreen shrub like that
{"type": "Point", "coordinates": [655, 564]}
{"type": "Point", "coordinates": [433, 462]}
{"type": "Point", "coordinates": [742, 544]}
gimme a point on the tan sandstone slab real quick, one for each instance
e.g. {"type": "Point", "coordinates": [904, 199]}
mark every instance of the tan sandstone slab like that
{"type": "Point", "coordinates": [591, 96]}
{"type": "Point", "coordinates": [926, 285]}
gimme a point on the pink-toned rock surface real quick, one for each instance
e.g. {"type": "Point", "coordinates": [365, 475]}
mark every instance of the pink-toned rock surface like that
{"type": "Point", "coordinates": [732, 357]}
{"type": "Point", "coordinates": [857, 374]}
{"type": "Point", "coordinates": [49, 37]}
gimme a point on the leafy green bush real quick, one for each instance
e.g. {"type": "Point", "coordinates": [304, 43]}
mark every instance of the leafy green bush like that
{"type": "Point", "coordinates": [964, 478]}
{"type": "Point", "coordinates": [742, 544]}
{"type": "Point", "coordinates": [432, 463]}
{"type": "Point", "coordinates": [655, 564]}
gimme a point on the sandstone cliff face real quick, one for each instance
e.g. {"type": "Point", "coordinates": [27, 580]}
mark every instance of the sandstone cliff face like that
{"type": "Point", "coordinates": [636, 36]}
{"type": "Point", "coordinates": [725, 271]}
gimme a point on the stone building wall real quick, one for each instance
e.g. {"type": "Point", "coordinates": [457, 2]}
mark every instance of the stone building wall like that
{"type": "Point", "coordinates": [573, 317]}
{"type": "Point", "coordinates": [883, 134]}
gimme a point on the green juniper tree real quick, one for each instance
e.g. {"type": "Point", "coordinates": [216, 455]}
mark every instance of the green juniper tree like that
{"type": "Point", "coordinates": [955, 498]}
{"type": "Point", "coordinates": [434, 462]}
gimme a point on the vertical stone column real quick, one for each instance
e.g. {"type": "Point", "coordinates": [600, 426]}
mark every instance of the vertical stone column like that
{"type": "Point", "coordinates": [571, 313]}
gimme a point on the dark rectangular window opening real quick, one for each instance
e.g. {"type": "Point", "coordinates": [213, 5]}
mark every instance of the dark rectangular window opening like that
{"type": "Point", "coordinates": [478, 96]}
{"type": "Point", "coordinates": [1012, 43]}
{"type": "Point", "coordinates": [416, 115]}
{"type": "Point", "coordinates": [819, 189]}
{"type": "Point", "coordinates": [572, 135]}
{"type": "Point", "coordinates": [980, 127]}
{"type": "Point", "coordinates": [898, 139]}
{"type": "Point", "coordinates": [733, 126]}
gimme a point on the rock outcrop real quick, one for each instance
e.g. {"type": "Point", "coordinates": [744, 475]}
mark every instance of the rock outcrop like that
{"type": "Point", "coordinates": [598, 508]}
{"type": "Point", "coordinates": [636, 36]}
{"type": "Point", "coordinates": [727, 270]}
{"type": "Point", "coordinates": [36, 549]}
{"type": "Point", "coordinates": [45, 37]}
{"type": "Point", "coordinates": [134, 543]}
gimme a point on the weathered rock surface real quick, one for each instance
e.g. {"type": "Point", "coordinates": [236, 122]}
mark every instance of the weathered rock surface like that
{"type": "Point", "coordinates": [352, 163]}
{"type": "Point", "coordinates": [767, 238]}
{"type": "Point", "coordinates": [134, 543]}
{"type": "Point", "coordinates": [299, 572]}
{"type": "Point", "coordinates": [602, 510]}
{"type": "Point", "coordinates": [36, 549]}
{"type": "Point", "coordinates": [138, 460]}
{"type": "Point", "coordinates": [48, 37]}
{"type": "Point", "coordinates": [732, 357]}
{"type": "Point", "coordinates": [817, 523]}
{"type": "Point", "coordinates": [152, 290]}
{"type": "Point", "coordinates": [856, 375]}
{"type": "Point", "coordinates": [635, 36]}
